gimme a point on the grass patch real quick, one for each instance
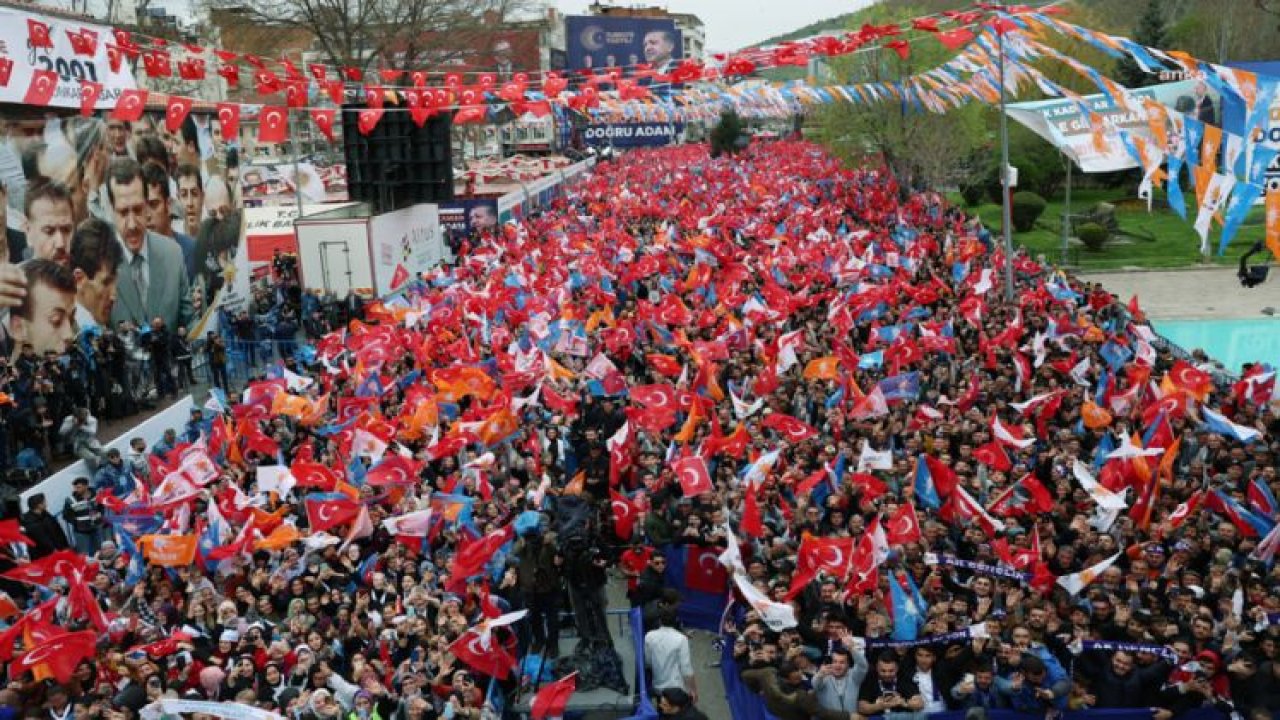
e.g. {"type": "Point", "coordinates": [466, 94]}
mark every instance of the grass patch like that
{"type": "Point", "coordinates": [1159, 239]}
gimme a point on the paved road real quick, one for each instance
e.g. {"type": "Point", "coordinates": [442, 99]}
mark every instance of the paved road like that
{"type": "Point", "coordinates": [1195, 294]}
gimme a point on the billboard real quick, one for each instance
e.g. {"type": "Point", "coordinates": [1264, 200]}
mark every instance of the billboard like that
{"type": "Point", "coordinates": [174, 242]}
{"type": "Point", "coordinates": [68, 67]}
{"type": "Point", "coordinates": [596, 42]}
{"type": "Point", "coordinates": [631, 135]}
{"type": "Point", "coordinates": [404, 244]}
{"type": "Point", "coordinates": [1061, 122]}
{"type": "Point", "coordinates": [461, 218]}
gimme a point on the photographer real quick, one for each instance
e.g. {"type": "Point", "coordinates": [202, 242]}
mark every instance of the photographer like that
{"type": "Point", "coordinates": [81, 430]}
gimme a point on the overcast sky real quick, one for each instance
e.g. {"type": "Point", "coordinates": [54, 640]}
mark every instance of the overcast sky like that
{"type": "Point", "coordinates": [732, 24]}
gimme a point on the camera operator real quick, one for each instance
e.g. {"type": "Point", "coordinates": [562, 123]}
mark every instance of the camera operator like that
{"type": "Point", "coordinates": [81, 430]}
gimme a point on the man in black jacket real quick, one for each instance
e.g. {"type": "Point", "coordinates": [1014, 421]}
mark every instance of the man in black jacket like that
{"type": "Point", "coordinates": [42, 528]}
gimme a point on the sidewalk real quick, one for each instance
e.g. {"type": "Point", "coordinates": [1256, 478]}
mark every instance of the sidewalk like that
{"type": "Point", "coordinates": [1194, 294]}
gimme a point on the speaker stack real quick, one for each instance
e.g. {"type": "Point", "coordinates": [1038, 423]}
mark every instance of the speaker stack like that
{"type": "Point", "coordinates": [398, 164]}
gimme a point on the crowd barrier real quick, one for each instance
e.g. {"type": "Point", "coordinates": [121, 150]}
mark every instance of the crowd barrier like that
{"type": "Point", "coordinates": [57, 487]}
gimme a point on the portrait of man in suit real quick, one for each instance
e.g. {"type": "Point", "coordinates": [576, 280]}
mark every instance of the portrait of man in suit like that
{"type": "Point", "coordinates": [659, 50]}
{"type": "Point", "coordinates": [152, 278]}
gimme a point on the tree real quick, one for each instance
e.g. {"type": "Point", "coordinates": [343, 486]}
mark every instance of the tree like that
{"type": "Point", "coordinates": [724, 136]}
{"type": "Point", "coordinates": [384, 34]}
{"type": "Point", "coordinates": [1150, 31]}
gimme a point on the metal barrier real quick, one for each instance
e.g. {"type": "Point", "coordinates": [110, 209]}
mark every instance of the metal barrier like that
{"type": "Point", "coordinates": [244, 357]}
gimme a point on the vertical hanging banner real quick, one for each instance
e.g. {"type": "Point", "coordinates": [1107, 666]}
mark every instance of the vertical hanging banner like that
{"type": "Point", "coordinates": [90, 65]}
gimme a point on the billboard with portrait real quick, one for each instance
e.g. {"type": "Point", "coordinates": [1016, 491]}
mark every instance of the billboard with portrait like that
{"type": "Point", "coordinates": [462, 218]}
{"type": "Point", "coordinates": [118, 222]}
{"type": "Point", "coordinates": [596, 42]}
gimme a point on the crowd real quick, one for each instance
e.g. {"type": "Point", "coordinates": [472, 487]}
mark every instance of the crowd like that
{"type": "Point", "coordinates": [925, 497]}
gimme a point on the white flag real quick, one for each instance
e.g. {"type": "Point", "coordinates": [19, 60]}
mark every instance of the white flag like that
{"type": "Point", "coordinates": [870, 459]}
{"type": "Point", "coordinates": [1075, 582]}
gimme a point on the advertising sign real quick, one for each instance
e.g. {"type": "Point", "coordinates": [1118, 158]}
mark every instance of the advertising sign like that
{"type": "Point", "coordinates": [595, 42]}
{"type": "Point", "coordinates": [202, 250]}
{"type": "Point", "coordinates": [1061, 122]}
{"type": "Point", "coordinates": [69, 66]}
{"type": "Point", "coordinates": [405, 243]}
{"type": "Point", "coordinates": [464, 217]}
{"type": "Point", "coordinates": [630, 135]}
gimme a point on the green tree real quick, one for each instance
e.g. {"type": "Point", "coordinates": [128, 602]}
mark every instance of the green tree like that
{"type": "Point", "coordinates": [1150, 31]}
{"type": "Point", "coordinates": [724, 137]}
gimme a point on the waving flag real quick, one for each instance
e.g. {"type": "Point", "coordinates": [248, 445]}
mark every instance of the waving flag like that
{"type": "Point", "coordinates": [903, 526]}
{"type": "Point", "coordinates": [924, 488]}
{"type": "Point", "coordinates": [481, 652]}
{"type": "Point", "coordinates": [791, 429]}
{"type": "Point", "coordinates": [1220, 425]}
{"type": "Point", "coordinates": [1028, 496]}
{"type": "Point", "coordinates": [472, 556]}
{"type": "Point", "coordinates": [1262, 499]}
{"type": "Point", "coordinates": [61, 653]}
{"type": "Point", "coordinates": [901, 388]}
{"type": "Point", "coordinates": [961, 508]}
{"type": "Point", "coordinates": [869, 459]}
{"type": "Point", "coordinates": [11, 532]}
{"type": "Point", "coordinates": [1248, 523]}
{"type": "Point", "coordinates": [329, 510]}
{"type": "Point", "coordinates": [1010, 435]}
{"type": "Point", "coordinates": [908, 607]}
{"type": "Point", "coordinates": [552, 698]}
{"type": "Point", "coordinates": [1075, 582]}
{"type": "Point", "coordinates": [694, 477]}
{"type": "Point", "coordinates": [703, 584]}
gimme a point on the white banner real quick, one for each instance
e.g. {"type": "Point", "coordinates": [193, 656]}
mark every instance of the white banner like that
{"type": "Point", "coordinates": [228, 710]}
{"type": "Point", "coordinates": [62, 59]}
{"type": "Point", "coordinates": [405, 243]}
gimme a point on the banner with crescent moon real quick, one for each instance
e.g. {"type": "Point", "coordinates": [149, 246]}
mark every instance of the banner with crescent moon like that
{"type": "Point", "coordinates": [70, 67]}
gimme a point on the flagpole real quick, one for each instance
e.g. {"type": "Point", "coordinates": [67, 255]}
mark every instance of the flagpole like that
{"type": "Point", "coordinates": [1006, 219]}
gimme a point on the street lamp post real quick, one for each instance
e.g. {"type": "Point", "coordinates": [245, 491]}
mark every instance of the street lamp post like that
{"type": "Point", "coordinates": [1006, 219]}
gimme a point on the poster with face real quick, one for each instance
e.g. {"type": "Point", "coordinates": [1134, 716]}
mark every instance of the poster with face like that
{"type": "Point", "coordinates": [121, 225]}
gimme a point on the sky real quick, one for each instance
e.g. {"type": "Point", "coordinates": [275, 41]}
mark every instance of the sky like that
{"type": "Point", "coordinates": [732, 24]}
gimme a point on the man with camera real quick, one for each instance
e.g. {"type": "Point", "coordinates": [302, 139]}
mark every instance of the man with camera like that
{"type": "Point", "coordinates": [887, 693]}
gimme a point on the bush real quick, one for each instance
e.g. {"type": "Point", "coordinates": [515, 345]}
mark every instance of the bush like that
{"type": "Point", "coordinates": [1027, 208]}
{"type": "Point", "coordinates": [1093, 235]}
{"type": "Point", "coordinates": [972, 194]}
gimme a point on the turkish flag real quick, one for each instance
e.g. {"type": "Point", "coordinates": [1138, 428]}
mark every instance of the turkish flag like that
{"type": "Point", "coordinates": [84, 42]}
{"type": "Point", "coordinates": [229, 121]}
{"type": "Point", "coordinates": [89, 94]}
{"type": "Point", "coordinates": [665, 364]}
{"type": "Point", "coordinates": [993, 455]}
{"type": "Point", "coordinates": [695, 478]}
{"type": "Point", "coordinates": [903, 526]}
{"type": "Point", "coordinates": [38, 35]}
{"type": "Point", "coordinates": [43, 84]}
{"type": "Point", "coordinates": [470, 115]}
{"type": "Point", "coordinates": [6, 71]}
{"type": "Point", "coordinates": [1185, 376]}
{"type": "Point", "coordinates": [176, 112]}
{"type": "Point", "coordinates": [60, 653]}
{"type": "Point", "coordinates": [314, 475]}
{"type": "Point", "coordinates": [473, 556]}
{"type": "Point", "coordinates": [353, 74]}
{"type": "Point", "coordinates": [368, 119]}
{"type": "Point", "coordinates": [191, 69]}
{"type": "Point", "coordinates": [791, 429]}
{"type": "Point", "coordinates": [394, 470]}
{"type": "Point", "coordinates": [703, 571]}
{"type": "Point", "coordinates": [624, 515]}
{"type": "Point", "coordinates": [323, 118]}
{"type": "Point", "coordinates": [295, 93]}
{"type": "Point", "coordinates": [156, 63]}
{"type": "Point", "coordinates": [230, 73]}
{"type": "Point", "coordinates": [42, 572]}
{"type": "Point", "coordinates": [331, 511]}
{"type": "Point", "coordinates": [266, 82]}
{"type": "Point", "coordinates": [318, 71]}
{"type": "Point", "coordinates": [162, 648]}
{"type": "Point", "coordinates": [552, 698]}
{"type": "Point", "coordinates": [483, 654]}
{"type": "Point", "coordinates": [273, 124]}
{"type": "Point", "coordinates": [954, 39]}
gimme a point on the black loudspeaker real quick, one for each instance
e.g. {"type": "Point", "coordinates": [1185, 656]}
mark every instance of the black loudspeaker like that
{"type": "Point", "coordinates": [398, 164]}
